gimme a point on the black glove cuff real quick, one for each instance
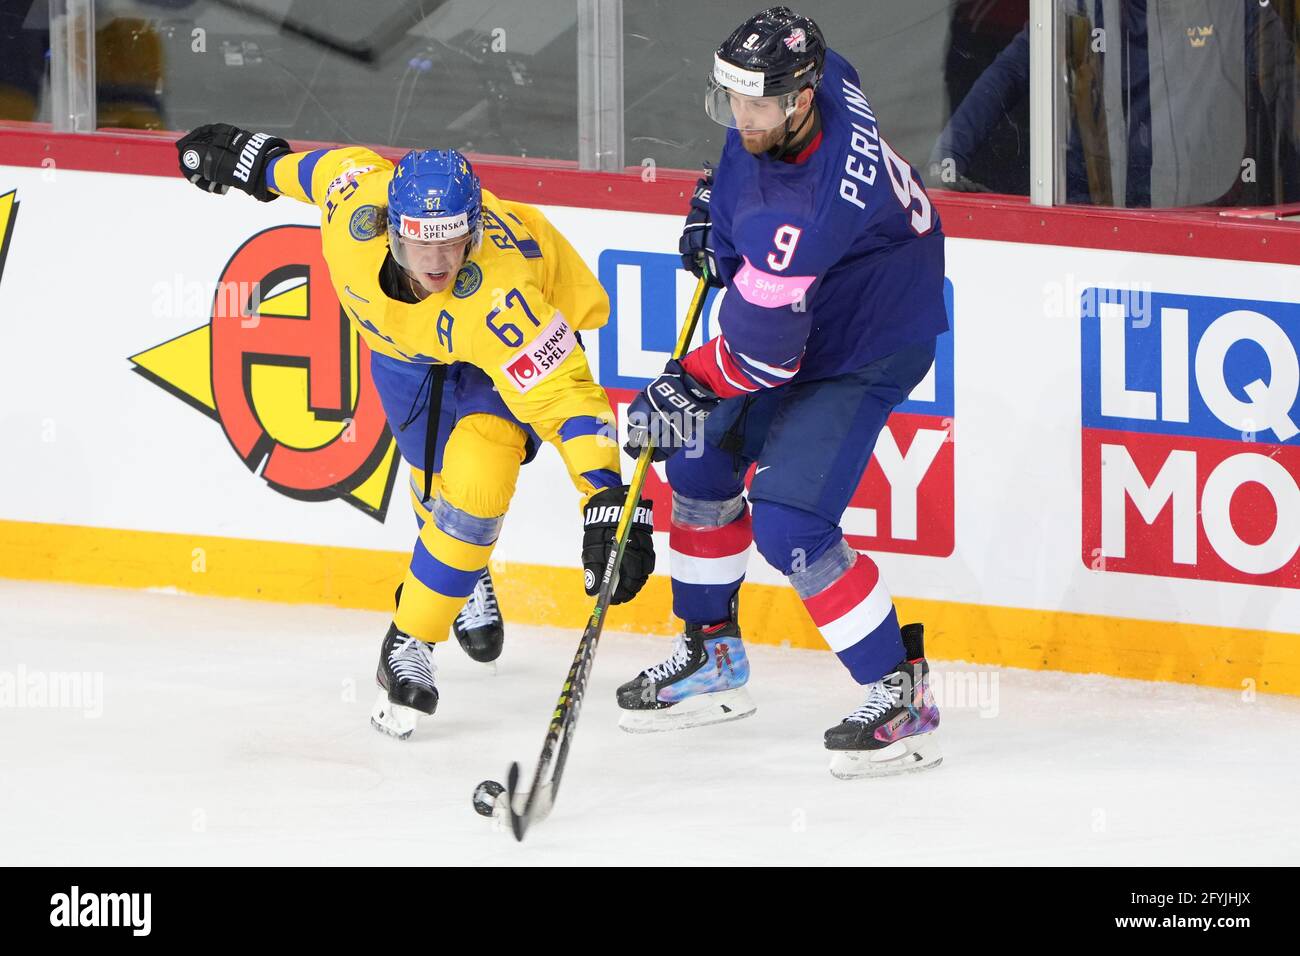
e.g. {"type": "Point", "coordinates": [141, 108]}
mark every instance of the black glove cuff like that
{"type": "Point", "coordinates": [272, 148]}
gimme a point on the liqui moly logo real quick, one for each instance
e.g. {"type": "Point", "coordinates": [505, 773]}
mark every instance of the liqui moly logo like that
{"type": "Point", "coordinates": [1191, 441]}
{"type": "Point", "coordinates": [904, 502]}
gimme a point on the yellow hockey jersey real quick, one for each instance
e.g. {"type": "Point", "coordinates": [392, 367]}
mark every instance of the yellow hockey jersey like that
{"type": "Point", "coordinates": [512, 310]}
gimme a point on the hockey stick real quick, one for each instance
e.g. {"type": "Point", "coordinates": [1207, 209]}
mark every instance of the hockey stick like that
{"type": "Point", "coordinates": [555, 749]}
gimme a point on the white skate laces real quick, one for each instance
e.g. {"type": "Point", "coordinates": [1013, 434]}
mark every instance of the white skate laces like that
{"type": "Point", "coordinates": [480, 609]}
{"type": "Point", "coordinates": [881, 697]}
{"type": "Point", "coordinates": [680, 656]}
{"type": "Point", "coordinates": [412, 660]}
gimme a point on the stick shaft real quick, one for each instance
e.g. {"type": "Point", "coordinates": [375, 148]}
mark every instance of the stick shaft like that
{"type": "Point", "coordinates": [565, 715]}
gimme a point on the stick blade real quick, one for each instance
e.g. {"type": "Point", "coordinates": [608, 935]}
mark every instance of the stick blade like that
{"type": "Point", "coordinates": [518, 821]}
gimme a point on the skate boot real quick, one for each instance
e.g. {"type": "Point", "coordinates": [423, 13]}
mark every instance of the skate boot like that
{"type": "Point", "coordinates": [702, 682]}
{"type": "Point", "coordinates": [893, 731]}
{"type": "Point", "coordinates": [478, 627]}
{"type": "Point", "coordinates": [405, 677]}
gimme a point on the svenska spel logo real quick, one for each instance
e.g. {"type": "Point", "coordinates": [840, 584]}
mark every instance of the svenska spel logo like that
{"type": "Point", "coordinates": [523, 369]}
{"type": "Point", "coordinates": [1191, 448]}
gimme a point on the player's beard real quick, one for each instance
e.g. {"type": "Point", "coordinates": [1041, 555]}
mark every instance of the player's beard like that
{"type": "Point", "coordinates": [758, 143]}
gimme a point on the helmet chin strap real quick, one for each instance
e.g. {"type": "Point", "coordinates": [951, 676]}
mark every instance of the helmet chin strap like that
{"type": "Point", "coordinates": [790, 137]}
{"type": "Point", "coordinates": [412, 285]}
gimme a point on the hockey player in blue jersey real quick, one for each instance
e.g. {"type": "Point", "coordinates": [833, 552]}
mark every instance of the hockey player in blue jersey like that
{"type": "Point", "coordinates": [832, 257]}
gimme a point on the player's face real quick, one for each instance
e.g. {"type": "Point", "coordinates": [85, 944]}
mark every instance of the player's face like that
{"type": "Point", "coordinates": [760, 141]}
{"type": "Point", "coordinates": [433, 265]}
{"type": "Point", "coordinates": [755, 115]}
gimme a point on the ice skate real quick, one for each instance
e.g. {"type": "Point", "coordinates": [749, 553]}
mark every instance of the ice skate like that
{"type": "Point", "coordinates": [407, 690]}
{"type": "Point", "coordinates": [894, 729]}
{"type": "Point", "coordinates": [702, 682]}
{"type": "Point", "coordinates": [478, 627]}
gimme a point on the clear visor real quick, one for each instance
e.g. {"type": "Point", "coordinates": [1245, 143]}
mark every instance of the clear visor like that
{"type": "Point", "coordinates": [749, 114]}
{"type": "Point", "coordinates": [433, 260]}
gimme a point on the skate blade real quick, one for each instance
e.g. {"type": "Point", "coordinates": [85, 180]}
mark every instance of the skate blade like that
{"type": "Point", "coordinates": [716, 708]}
{"type": "Point", "coordinates": [394, 719]}
{"type": "Point", "coordinates": [902, 756]}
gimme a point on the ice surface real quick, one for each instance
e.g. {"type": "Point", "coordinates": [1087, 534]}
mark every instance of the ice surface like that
{"type": "Point", "coordinates": [236, 732]}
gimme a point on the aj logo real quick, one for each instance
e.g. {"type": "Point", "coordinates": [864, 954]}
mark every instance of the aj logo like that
{"type": "Point", "coordinates": [284, 374]}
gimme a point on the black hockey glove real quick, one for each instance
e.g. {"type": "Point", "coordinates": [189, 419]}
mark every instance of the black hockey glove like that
{"type": "Point", "coordinates": [217, 156]}
{"type": "Point", "coordinates": [696, 244]}
{"type": "Point", "coordinates": [671, 411]}
{"type": "Point", "coordinates": [599, 524]}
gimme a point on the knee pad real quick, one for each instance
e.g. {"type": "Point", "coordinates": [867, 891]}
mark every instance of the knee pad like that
{"type": "Point", "coordinates": [790, 539]}
{"type": "Point", "coordinates": [710, 475]}
{"type": "Point", "coordinates": [480, 464]}
{"type": "Point", "coordinates": [700, 513]}
{"type": "Point", "coordinates": [464, 526]}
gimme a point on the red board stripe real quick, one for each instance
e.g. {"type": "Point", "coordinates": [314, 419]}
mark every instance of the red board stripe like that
{"type": "Point", "coordinates": [1208, 233]}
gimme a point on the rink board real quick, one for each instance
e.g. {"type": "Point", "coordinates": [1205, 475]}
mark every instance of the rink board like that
{"type": "Point", "coordinates": [1100, 474]}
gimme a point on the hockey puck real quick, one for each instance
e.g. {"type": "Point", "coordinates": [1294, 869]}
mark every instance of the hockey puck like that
{"type": "Point", "coordinates": [485, 797]}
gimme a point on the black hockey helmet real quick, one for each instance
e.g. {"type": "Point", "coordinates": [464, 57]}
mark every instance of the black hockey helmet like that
{"type": "Point", "coordinates": [773, 55]}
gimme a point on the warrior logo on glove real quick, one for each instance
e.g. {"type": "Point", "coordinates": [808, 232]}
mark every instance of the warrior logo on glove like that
{"type": "Point", "coordinates": [217, 156]}
{"type": "Point", "coordinates": [600, 524]}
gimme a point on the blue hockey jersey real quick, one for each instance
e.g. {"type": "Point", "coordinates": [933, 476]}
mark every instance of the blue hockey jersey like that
{"type": "Point", "coordinates": [830, 262]}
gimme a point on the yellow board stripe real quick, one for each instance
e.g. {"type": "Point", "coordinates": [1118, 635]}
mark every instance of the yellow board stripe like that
{"type": "Point", "coordinates": [537, 594]}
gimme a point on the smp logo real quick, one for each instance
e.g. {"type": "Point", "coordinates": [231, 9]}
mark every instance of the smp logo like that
{"type": "Point", "coordinates": [905, 500]}
{"type": "Point", "coordinates": [1191, 447]}
{"type": "Point", "coordinates": [283, 373]}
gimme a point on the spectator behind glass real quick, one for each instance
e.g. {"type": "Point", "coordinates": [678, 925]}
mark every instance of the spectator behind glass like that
{"type": "Point", "coordinates": [128, 64]}
{"type": "Point", "coordinates": [998, 160]}
{"type": "Point", "coordinates": [1175, 103]}
{"type": "Point", "coordinates": [22, 60]}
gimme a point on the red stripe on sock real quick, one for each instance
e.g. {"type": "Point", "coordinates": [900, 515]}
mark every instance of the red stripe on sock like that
{"type": "Point", "coordinates": [845, 594]}
{"type": "Point", "coordinates": [733, 538]}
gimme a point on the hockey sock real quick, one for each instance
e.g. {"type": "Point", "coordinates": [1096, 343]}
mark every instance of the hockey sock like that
{"type": "Point", "coordinates": [708, 551]}
{"type": "Point", "coordinates": [854, 612]}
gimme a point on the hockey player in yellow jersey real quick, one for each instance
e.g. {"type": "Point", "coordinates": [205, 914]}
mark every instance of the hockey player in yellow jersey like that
{"type": "Point", "coordinates": [471, 306]}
